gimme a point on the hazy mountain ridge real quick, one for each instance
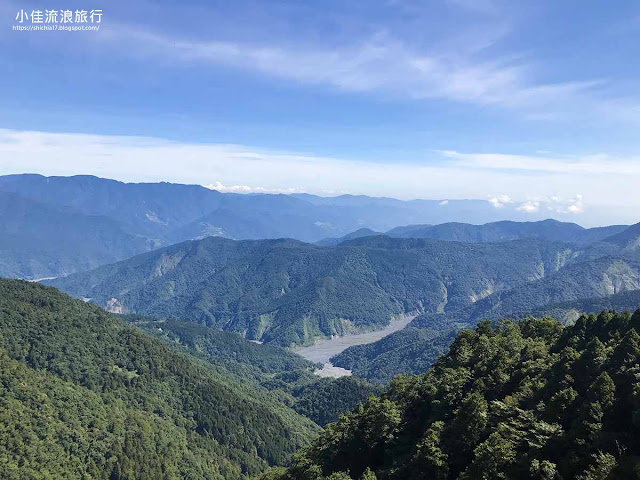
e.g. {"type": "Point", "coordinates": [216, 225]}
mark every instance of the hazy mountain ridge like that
{"type": "Point", "coordinates": [508, 230]}
{"type": "Point", "coordinates": [491, 232]}
{"type": "Point", "coordinates": [40, 240]}
{"type": "Point", "coordinates": [333, 241]}
{"type": "Point", "coordinates": [143, 216]}
{"type": "Point", "coordinates": [628, 239]}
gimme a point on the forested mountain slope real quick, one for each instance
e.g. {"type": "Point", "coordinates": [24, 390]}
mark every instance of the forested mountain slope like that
{"type": "Point", "coordinates": [84, 395]}
{"type": "Point", "coordinates": [408, 351]}
{"type": "Point", "coordinates": [413, 350]}
{"type": "Point", "coordinates": [581, 280]}
{"type": "Point", "coordinates": [284, 374]}
{"type": "Point", "coordinates": [521, 400]}
{"type": "Point", "coordinates": [288, 292]}
{"type": "Point", "coordinates": [603, 276]}
{"type": "Point", "coordinates": [568, 312]}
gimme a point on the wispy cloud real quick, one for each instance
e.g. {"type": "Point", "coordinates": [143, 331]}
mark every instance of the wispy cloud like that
{"type": "Point", "coordinates": [380, 64]}
{"type": "Point", "coordinates": [537, 164]}
{"type": "Point", "coordinates": [474, 63]}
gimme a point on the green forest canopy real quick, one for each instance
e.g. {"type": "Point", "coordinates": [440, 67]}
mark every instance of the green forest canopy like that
{"type": "Point", "coordinates": [527, 399]}
{"type": "Point", "coordinates": [83, 395]}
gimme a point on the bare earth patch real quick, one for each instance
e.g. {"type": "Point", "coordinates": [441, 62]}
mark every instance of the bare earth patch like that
{"type": "Point", "coordinates": [323, 350]}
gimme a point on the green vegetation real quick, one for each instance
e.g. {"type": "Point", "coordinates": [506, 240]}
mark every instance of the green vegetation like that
{"type": "Point", "coordinates": [83, 395]}
{"type": "Point", "coordinates": [226, 349]}
{"type": "Point", "coordinates": [568, 312]}
{"type": "Point", "coordinates": [283, 374]}
{"type": "Point", "coordinates": [289, 293]}
{"type": "Point", "coordinates": [586, 279]}
{"type": "Point", "coordinates": [413, 350]}
{"type": "Point", "coordinates": [409, 351]}
{"type": "Point", "coordinates": [325, 400]}
{"type": "Point", "coordinates": [527, 399]}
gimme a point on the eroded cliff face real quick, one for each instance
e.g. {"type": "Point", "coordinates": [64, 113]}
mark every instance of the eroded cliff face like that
{"type": "Point", "coordinates": [114, 305]}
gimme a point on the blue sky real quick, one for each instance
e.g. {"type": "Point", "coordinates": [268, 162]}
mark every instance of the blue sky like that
{"type": "Point", "coordinates": [529, 101]}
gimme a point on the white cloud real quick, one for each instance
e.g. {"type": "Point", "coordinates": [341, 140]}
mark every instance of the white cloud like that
{"type": "Point", "coordinates": [500, 201]}
{"type": "Point", "coordinates": [553, 204]}
{"type": "Point", "coordinates": [248, 189]}
{"type": "Point", "coordinates": [607, 183]}
{"type": "Point", "coordinates": [576, 205]}
{"type": "Point", "coordinates": [530, 206]}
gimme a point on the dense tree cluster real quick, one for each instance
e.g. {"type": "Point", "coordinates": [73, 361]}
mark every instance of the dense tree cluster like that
{"type": "Point", "coordinates": [408, 351]}
{"type": "Point", "coordinates": [526, 399]}
{"type": "Point", "coordinates": [325, 400]}
{"type": "Point", "coordinates": [285, 375]}
{"type": "Point", "coordinates": [83, 395]}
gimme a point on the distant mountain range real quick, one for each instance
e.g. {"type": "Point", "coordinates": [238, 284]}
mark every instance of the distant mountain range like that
{"type": "Point", "coordinates": [491, 232]}
{"type": "Point", "coordinates": [507, 230]}
{"type": "Point", "coordinates": [61, 225]}
{"type": "Point", "coordinates": [42, 240]}
{"type": "Point", "coordinates": [361, 232]}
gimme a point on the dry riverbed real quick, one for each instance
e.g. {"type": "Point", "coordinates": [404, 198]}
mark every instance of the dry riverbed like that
{"type": "Point", "coordinates": [322, 351]}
